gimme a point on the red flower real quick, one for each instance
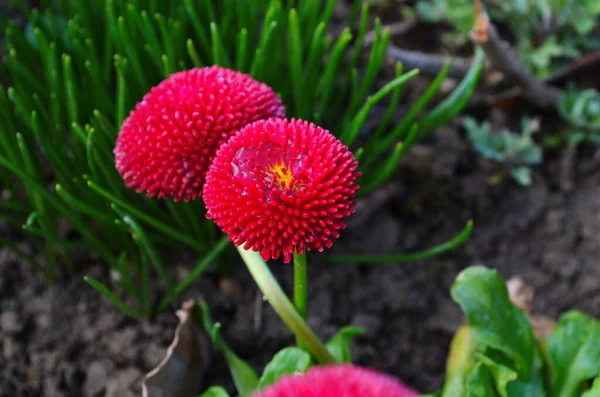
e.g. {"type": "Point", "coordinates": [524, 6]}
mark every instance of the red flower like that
{"type": "Point", "coordinates": [168, 142]}
{"type": "Point", "coordinates": [280, 185]}
{"type": "Point", "coordinates": [337, 381]}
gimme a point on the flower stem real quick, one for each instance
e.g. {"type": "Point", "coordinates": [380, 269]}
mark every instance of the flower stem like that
{"type": "Point", "coordinates": [300, 288]}
{"type": "Point", "coordinates": [282, 305]}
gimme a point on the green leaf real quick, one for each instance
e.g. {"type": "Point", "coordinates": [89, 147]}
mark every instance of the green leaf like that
{"type": "Point", "coordinates": [98, 286]}
{"type": "Point", "coordinates": [196, 271]}
{"type": "Point", "coordinates": [516, 151]}
{"type": "Point", "coordinates": [457, 100]}
{"type": "Point", "coordinates": [290, 360]}
{"type": "Point", "coordinates": [489, 145]}
{"type": "Point", "coordinates": [461, 361]}
{"type": "Point", "coordinates": [522, 175]}
{"type": "Point", "coordinates": [215, 391]}
{"type": "Point", "coordinates": [594, 391]}
{"type": "Point", "coordinates": [502, 333]}
{"type": "Point", "coordinates": [480, 383]}
{"type": "Point", "coordinates": [573, 353]}
{"type": "Point", "coordinates": [440, 249]}
{"type": "Point", "coordinates": [501, 374]}
{"type": "Point", "coordinates": [339, 345]}
{"type": "Point", "coordinates": [244, 377]}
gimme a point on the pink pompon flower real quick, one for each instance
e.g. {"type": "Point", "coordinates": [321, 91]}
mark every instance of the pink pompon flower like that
{"type": "Point", "coordinates": [337, 381]}
{"type": "Point", "coordinates": [282, 185]}
{"type": "Point", "coordinates": [167, 143]}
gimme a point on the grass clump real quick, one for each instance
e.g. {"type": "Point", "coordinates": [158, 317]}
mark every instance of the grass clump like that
{"type": "Point", "coordinates": [73, 74]}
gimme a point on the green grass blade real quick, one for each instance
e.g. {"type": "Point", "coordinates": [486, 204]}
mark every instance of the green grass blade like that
{"type": "Point", "coordinates": [387, 168]}
{"type": "Point", "coordinates": [456, 242]}
{"type": "Point", "coordinates": [196, 272]}
{"type": "Point", "coordinates": [361, 117]}
{"type": "Point", "coordinates": [193, 54]}
{"type": "Point", "coordinates": [147, 219]}
{"type": "Point", "coordinates": [296, 60]}
{"type": "Point", "coordinates": [111, 296]}
{"type": "Point", "coordinates": [457, 100]}
{"type": "Point", "coordinates": [144, 242]}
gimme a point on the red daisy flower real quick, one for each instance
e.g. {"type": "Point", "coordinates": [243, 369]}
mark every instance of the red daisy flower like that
{"type": "Point", "coordinates": [337, 381]}
{"type": "Point", "coordinates": [281, 185]}
{"type": "Point", "coordinates": [167, 143]}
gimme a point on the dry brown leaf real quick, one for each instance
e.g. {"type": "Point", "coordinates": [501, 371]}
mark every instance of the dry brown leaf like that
{"type": "Point", "coordinates": [181, 371]}
{"type": "Point", "coordinates": [521, 295]}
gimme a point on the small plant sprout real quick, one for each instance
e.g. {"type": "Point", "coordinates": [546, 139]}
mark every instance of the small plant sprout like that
{"type": "Point", "coordinates": [337, 381]}
{"type": "Point", "coordinates": [516, 152]}
{"type": "Point", "coordinates": [581, 110]}
{"type": "Point", "coordinates": [168, 141]}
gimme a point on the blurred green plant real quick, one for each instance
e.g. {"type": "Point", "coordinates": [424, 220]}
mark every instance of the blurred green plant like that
{"type": "Point", "coordinates": [547, 33]}
{"type": "Point", "coordinates": [581, 111]}
{"type": "Point", "coordinates": [498, 353]}
{"type": "Point", "coordinates": [289, 360]}
{"type": "Point", "coordinates": [515, 152]}
{"type": "Point", "coordinates": [77, 69]}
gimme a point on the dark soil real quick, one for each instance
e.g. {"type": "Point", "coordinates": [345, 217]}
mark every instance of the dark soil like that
{"type": "Point", "coordinates": [65, 340]}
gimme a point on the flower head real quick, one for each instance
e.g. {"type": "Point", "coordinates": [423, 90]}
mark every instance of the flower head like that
{"type": "Point", "coordinates": [281, 185]}
{"type": "Point", "coordinates": [168, 141]}
{"type": "Point", "coordinates": [337, 381]}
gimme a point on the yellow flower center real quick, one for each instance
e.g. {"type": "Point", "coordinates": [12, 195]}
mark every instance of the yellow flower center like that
{"type": "Point", "coordinates": [283, 175]}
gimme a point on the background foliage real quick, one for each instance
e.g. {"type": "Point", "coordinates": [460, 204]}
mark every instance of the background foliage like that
{"type": "Point", "coordinates": [73, 74]}
{"type": "Point", "coordinates": [546, 33]}
{"type": "Point", "coordinates": [499, 354]}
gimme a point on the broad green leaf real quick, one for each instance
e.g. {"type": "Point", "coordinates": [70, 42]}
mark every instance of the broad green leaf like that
{"type": "Point", "coordinates": [290, 360]}
{"type": "Point", "coordinates": [244, 377]}
{"type": "Point", "coordinates": [532, 387]}
{"type": "Point", "coordinates": [502, 333]}
{"type": "Point", "coordinates": [480, 383]}
{"type": "Point", "coordinates": [339, 345]}
{"type": "Point", "coordinates": [215, 391]}
{"type": "Point", "coordinates": [573, 353]}
{"type": "Point", "coordinates": [506, 378]}
{"type": "Point", "coordinates": [594, 391]}
{"type": "Point", "coordinates": [502, 374]}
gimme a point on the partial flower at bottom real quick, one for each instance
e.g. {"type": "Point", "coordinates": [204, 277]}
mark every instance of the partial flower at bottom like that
{"type": "Point", "coordinates": [338, 381]}
{"type": "Point", "coordinates": [167, 143]}
{"type": "Point", "coordinates": [280, 186]}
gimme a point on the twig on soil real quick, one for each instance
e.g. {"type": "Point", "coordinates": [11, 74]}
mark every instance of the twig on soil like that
{"type": "Point", "coordinates": [567, 168]}
{"type": "Point", "coordinates": [367, 206]}
{"type": "Point", "coordinates": [258, 311]}
{"type": "Point", "coordinates": [396, 29]}
{"type": "Point", "coordinates": [501, 57]}
{"type": "Point", "coordinates": [430, 64]}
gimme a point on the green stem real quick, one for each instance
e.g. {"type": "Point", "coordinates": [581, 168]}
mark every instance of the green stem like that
{"type": "Point", "coordinates": [400, 258]}
{"type": "Point", "coordinates": [300, 287]}
{"type": "Point", "coordinates": [282, 305]}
